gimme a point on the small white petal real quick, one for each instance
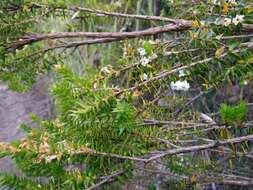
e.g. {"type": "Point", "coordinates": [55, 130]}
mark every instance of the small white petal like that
{"type": "Point", "coordinates": [227, 21]}
{"type": "Point", "coordinates": [180, 85]}
{"type": "Point", "coordinates": [238, 19]}
{"type": "Point", "coordinates": [50, 158]}
{"type": "Point", "coordinates": [75, 15]}
{"type": "Point", "coordinates": [141, 51]}
{"type": "Point", "coordinates": [218, 21]}
{"type": "Point", "coordinates": [145, 76]}
{"type": "Point", "coordinates": [105, 70]}
{"type": "Point", "coordinates": [144, 61]}
{"type": "Point", "coordinates": [181, 73]}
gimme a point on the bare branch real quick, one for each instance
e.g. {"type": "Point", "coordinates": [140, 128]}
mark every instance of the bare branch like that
{"type": "Point", "coordinates": [116, 14]}
{"type": "Point", "coordinates": [110, 155]}
{"type": "Point", "coordinates": [106, 180]}
{"type": "Point", "coordinates": [200, 147]}
{"type": "Point", "coordinates": [118, 35]}
{"type": "Point", "coordinates": [158, 122]}
{"type": "Point", "coordinates": [169, 152]}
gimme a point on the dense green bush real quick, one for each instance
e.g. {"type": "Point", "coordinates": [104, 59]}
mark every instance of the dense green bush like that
{"type": "Point", "coordinates": [234, 114]}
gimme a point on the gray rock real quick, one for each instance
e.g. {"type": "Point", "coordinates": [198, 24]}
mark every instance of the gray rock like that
{"type": "Point", "coordinates": [15, 109]}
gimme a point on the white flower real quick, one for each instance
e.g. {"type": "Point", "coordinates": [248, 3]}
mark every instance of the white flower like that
{"type": "Point", "coordinates": [181, 73]}
{"type": "Point", "coordinates": [75, 15]}
{"type": "Point", "coordinates": [245, 82]}
{"type": "Point", "coordinates": [142, 51]}
{"type": "Point", "coordinates": [105, 70]}
{"type": "Point", "coordinates": [215, 2]}
{"type": "Point", "coordinates": [238, 19]}
{"type": "Point", "coordinates": [227, 21]}
{"type": "Point", "coordinates": [145, 76]}
{"type": "Point", "coordinates": [144, 61]}
{"type": "Point", "coordinates": [180, 85]}
{"type": "Point", "coordinates": [50, 158]}
{"type": "Point", "coordinates": [218, 21]}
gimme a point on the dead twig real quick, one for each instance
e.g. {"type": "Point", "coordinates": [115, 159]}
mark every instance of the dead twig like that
{"type": "Point", "coordinates": [200, 147]}
{"type": "Point", "coordinates": [106, 180]}
{"type": "Point", "coordinates": [117, 35]}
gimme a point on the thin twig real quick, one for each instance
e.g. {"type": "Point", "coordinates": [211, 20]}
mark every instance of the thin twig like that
{"type": "Point", "coordinates": [179, 110]}
{"type": "Point", "coordinates": [157, 122]}
{"type": "Point", "coordinates": [169, 152]}
{"type": "Point", "coordinates": [106, 180]}
{"type": "Point", "coordinates": [116, 14]}
{"type": "Point", "coordinates": [200, 147]}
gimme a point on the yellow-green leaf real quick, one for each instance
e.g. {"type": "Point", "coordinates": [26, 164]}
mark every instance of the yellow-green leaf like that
{"type": "Point", "coordinates": [225, 8]}
{"type": "Point", "coordinates": [219, 51]}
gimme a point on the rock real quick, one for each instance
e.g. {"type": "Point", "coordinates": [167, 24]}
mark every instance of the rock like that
{"type": "Point", "coordinates": [15, 109]}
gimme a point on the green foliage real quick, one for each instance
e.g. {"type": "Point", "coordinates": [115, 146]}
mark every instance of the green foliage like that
{"type": "Point", "coordinates": [11, 182]}
{"type": "Point", "coordinates": [232, 115]}
{"type": "Point", "coordinates": [81, 108]}
{"type": "Point", "coordinates": [88, 119]}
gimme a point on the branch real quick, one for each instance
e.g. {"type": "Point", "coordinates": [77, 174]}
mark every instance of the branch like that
{"type": "Point", "coordinates": [213, 126]}
{"type": "Point", "coordinates": [201, 178]}
{"type": "Point", "coordinates": [231, 152]}
{"type": "Point", "coordinates": [246, 27]}
{"type": "Point", "coordinates": [182, 123]}
{"type": "Point", "coordinates": [115, 14]}
{"type": "Point", "coordinates": [182, 25]}
{"type": "Point", "coordinates": [107, 179]}
{"type": "Point", "coordinates": [169, 152]}
{"type": "Point", "coordinates": [190, 102]}
{"type": "Point", "coordinates": [237, 182]}
{"type": "Point", "coordinates": [176, 25]}
{"type": "Point", "coordinates": [109, 155]}
{"type": "Point", "coordinates": [200, 147]}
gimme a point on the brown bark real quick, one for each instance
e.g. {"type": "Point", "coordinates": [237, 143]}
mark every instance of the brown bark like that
{"type": "Point", "coordinates": [181, 25]}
